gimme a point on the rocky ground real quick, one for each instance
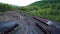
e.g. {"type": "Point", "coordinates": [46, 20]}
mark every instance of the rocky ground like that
{"type": "Point", "coordinates": [27, 25]}
{"type": "Point", "coordinates": [9, 15]}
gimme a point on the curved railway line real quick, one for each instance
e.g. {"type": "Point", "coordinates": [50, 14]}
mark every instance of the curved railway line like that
{"type": "Point", "coordinates": [29, 25]}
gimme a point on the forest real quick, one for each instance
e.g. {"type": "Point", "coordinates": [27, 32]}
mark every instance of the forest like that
{"type": "Point", "coordinates": [45, 9]}
{"type": "Point", "coordinates": [49, 9]}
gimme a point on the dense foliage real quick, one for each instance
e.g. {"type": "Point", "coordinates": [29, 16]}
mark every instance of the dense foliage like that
{"type": "Point", "coordinates": [7, 7]}
{"type": "Point", "coordinates": [45, 9]}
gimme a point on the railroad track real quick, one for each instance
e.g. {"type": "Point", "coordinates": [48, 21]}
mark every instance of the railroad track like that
{"type": "Point", "coordinates": [47, 26]}
{"type": "Point", "coordinates": [43, 25]}
{"type": "Point", "coordinates": [27, 25]}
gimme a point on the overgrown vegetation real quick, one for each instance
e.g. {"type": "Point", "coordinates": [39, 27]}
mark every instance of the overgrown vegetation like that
{"type": "Point", "coordinates": [7, 7]}
{"type": "Point", "coordinates": [46, 9]}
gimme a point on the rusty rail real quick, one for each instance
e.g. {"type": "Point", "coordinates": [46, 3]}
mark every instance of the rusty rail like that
{"type": "Point", "coordinates": [42, 25]}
